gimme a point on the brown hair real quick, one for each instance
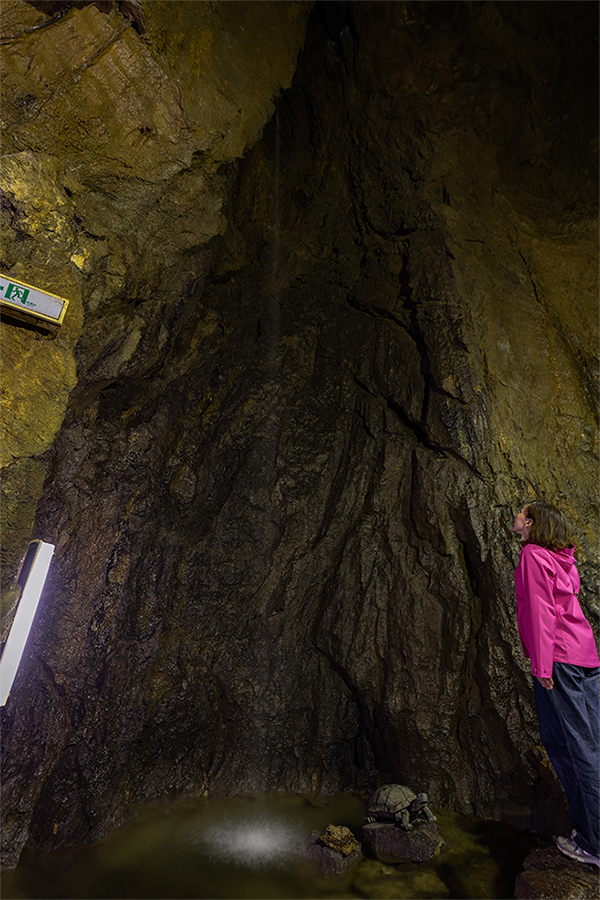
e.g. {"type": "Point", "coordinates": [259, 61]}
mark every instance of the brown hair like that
{"type": "Point", "coordinates": [549, 527]}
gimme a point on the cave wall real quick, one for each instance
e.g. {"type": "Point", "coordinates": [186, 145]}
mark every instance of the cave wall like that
{"type": "Point", "coordinates": [317, 352]}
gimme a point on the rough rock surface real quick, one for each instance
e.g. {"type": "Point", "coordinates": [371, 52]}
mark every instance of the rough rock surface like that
{"type": "Point", "coordinates": [91, 206]}
{"type": "Point", "coordinates": [339, 838]}
{"type": "Point", "coordinates": [311, 387]}
{"type": "Point", "coordinates": [392, 844]}
{"type": "Point", "coordinates": [548, 875]}
{"type": "Point", "coordinates": [330, 860]}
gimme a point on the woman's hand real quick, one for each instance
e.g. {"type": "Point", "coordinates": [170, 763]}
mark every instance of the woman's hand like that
{"type": "Point", "coordinates": [548, 683]}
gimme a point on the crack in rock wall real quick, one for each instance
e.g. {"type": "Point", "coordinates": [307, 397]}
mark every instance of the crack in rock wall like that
{"type": "Point", "coordinates": [312, 385]}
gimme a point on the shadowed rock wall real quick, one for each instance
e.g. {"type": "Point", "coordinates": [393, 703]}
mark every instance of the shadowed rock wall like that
{"type": "Point", "coordinates": [283, 488]}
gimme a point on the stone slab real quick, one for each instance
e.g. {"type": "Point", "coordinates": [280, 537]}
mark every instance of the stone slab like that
{"type": "Point", "coordinates": [392, 844]}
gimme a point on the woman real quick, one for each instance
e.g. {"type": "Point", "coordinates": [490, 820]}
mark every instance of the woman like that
{"type": "Point", "coordinates": [559, 640]}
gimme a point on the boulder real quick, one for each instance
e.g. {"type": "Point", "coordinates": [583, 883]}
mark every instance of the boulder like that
{"type": "Point", "coordinates": [548, 874]}
{"type": "Point", "coordinates": [331, 861]}
{"type": "Point", "coordinates": [392, 844]}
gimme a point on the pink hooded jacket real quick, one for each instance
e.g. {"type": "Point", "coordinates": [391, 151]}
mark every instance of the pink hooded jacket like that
{"type": "Point", "coordinates": [552, 626]}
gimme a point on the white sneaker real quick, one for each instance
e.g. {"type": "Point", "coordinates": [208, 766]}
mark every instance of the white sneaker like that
{"type": "Point", "coordinates": [573, 851]}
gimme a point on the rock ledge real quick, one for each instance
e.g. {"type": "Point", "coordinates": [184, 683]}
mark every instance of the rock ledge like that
{"type": "Point", "coordinates": [548, 875]}
{"type": "Point", "coordinates": [392, 844]}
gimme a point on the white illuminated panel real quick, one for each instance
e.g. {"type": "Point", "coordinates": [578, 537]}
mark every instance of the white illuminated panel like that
{"type": "Point", "coordinates": [19, 632]}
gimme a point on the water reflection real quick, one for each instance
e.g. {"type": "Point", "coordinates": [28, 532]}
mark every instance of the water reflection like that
{"type": "Point", "coordinates": [251, 847]}
{"type": "Point", "coordinates": [255, 842]}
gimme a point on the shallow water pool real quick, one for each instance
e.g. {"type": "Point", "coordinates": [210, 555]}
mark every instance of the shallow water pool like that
{"type": "Point", "coordinates": [251, 847]}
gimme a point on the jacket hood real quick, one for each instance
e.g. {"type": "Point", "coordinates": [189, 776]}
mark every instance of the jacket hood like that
{"type": "Point", "coordinates": [564, 558]}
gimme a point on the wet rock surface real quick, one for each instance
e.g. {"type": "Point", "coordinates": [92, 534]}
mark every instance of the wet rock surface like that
{"type": "Point", "coordinates": [310, 388]}
{"type": "Point", "coordinates": [392, 844]}
{"type": "Point", "coordinates": [331, 860]}
{"type": "Point", "coordinates": [340, 839]}
{"type": "Point", "coordinates": [82, 195]}
{"type": "Point", "coordinates": [549, 875]}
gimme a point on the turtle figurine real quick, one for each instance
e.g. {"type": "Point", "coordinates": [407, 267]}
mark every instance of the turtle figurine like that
{"type": "Point", "coordinates": [397, 803]}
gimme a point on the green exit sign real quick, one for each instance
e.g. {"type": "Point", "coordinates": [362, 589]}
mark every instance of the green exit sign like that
{"type": "Point", "coordinates": [30, 304]}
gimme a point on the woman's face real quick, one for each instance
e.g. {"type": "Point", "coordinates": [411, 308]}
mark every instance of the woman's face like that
{"type": "Point", "coordinates": [522, 524]}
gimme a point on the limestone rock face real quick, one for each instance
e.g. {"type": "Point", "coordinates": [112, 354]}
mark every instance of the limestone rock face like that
{"type": "Point", "coordinates": [115, 120]}
{"type": "Point", "coordinates": [312, 386]}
